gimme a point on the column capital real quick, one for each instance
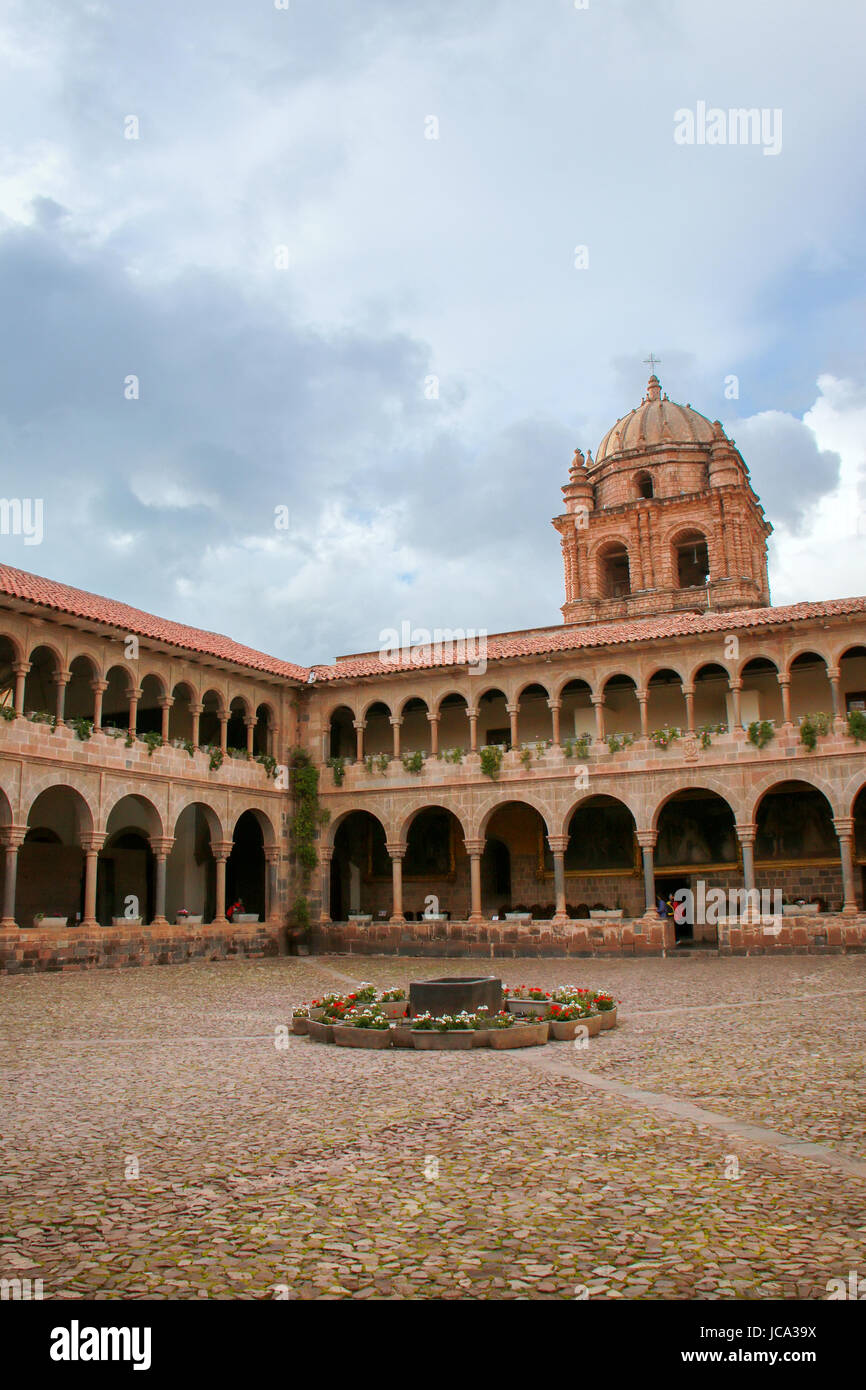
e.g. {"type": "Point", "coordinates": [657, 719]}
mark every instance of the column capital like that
{"type": "Point", "coordinates": [135, 693]}
{"type": "Point", "coordinates": [99, 686]}
{"type": "Point", "coordinates": [92, 841]}
{"type": "Point", "coordinates": [735, 683]}
{"type": "Point", "coordinates": [223, 716]}
{"type": "Point", "coordinates": [554, 704]}
{"type": "Point", "coordinates": [326, 853]}
{"type": "Point", "coordinates": [513, 707]}
{"type": "Point", "coordinates": [844, 826]}
{"type": "Point", "coordinates": [250, 721]}
{"type": "Point", "coordinates": [647, 838]}
{"type": "Point", "coordinates": [784, 681]}
{"type": "Point", "coordinates": [688, 690]}
{"type": "Point", "coordinates": [195, 707]}
{"type": "Point", "coordinates": [161, 845]}
{"type": "Point", "coordinates": [272, 854]}
{"type": "Point", "coordinates": [475, 846]}
{"type": "Point", "coordinates": [21, 667]}
{"type": "Point", "coordinates": [359, 724]}
{"type": "Point", "coordinates": [597, 699]}
{"type": "Point", "coordinates": [434, 718]}
{"type": "Point", "coordinates": [472, 713]}
{"type": "Point", "coordinates": [221, 849]}
{"type": "Point", "coordinates": [746, 832]}
{"type": "Point", "coordinates": [558, 843]}
{"type": "Point", "coordinates": [642, 696]}
{"type": "Point", "coordinates": [395, 720]}
{"type": "Point", "coordinates": [61, 677]}
{"type": "Point", "coordinates": [833, 673]}
{"type": "Point", "coordinates": [12, 836]}
{"type": "Point", "coordinates": [165, 701]}
{"type": "Point", "coordinates": [396, 848]}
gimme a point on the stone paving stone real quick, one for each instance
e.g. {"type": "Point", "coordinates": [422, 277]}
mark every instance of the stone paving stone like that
{"type": "Point", "coordinates": [304, 1167]}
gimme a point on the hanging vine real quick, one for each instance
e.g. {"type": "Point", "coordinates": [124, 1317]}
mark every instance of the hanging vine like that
{"type": "Point", "coordinates": [305, 823]}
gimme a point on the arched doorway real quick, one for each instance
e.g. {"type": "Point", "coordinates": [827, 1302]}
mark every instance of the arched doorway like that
{"type": "Point", "coordinates": [360, 868]}
{"type": "Point", "coordinates": [191, 867]}
{"type": "Point", "coordinates": [51, 859]}
{"type": "Point", "coordinates": [245, 870]}
{"type": "Point", "coordinates": [517, 830]}
{"type": "Point", "coordinates": [696, 842]}
{"type": "Point", "coordinates": [602, 861]}
{"type": "Point", "coordinates": [796, 846]}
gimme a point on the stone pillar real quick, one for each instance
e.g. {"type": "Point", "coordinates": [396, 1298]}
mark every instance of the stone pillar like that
{"type": "Point", "coordinates": [359, 725]}
{"type": "Point", "coordinates": [11, 837]}
{"type": "Point", "coordinates": [689, 693]}
{"type": "Point", "coordinates": [61, 680]}
{"type": "Point", "coordinates": [598, 702]}
{"type": "Point", "coordinates": [223, 718]}
{"type": "Point", "coordinates": [736, 687]}
{"type": "Point", "coordinates": [472, 715]}
{"type": "Point", "coordinates": [134, 697]}
{"type": "Point", "coordinates": [99, 688]}
{"type": "Point", "coordinates": [221, 849]}
{"type": "Point", "coordinates": [513, 714]}
{"type": "Point", "coordinates": [845, 830]}
{"type": "Point", "coordinates": [396, 725]}
{"type": "Point", "coordinates": [475, 849]}
{"type": "Point", "coordinates": [195, 711]}
{"type": "Point", "coordinates": [326, 854]}
{"type": "Point", "coordinates": [397, 851]}
{"type": "Point", "coordinates": [643, 701]}
{"type": "Point", "coordinates": [785, 687]}
{"type": "Point", "coordinates": [558, 846]}
{"type": "Point", "coordinates": [647, 841]}
{"type": "Point", "coordinates": [20, 668]}
{"type": "Point", "coordinates": [91, 844]}
{"type": "Point", "coordinates": [834, 676]}
{"type": "Point", "coordinates": [161, 846]}
{"type": "Point", "coordinates": [250, 726]}
{"type": "Point", "coordinates": [555, 707]}
{"type": "Point", "coordinates": [272, 904]}
{"type": "Point", "coordinates": [434, 735]}
{"type": "Point", "coordinates": [165, 703]}
{"type": "Point", "coordinates": [746, 836]}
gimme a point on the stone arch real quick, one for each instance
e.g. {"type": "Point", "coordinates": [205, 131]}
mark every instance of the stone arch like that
{"type": "Point", "coordinates": [568, 678]}
{"type": "Point", "coordinates": [373, 700]}
{"type": "Point", "coordinates": [690, 557]}
{"type": "Point", "coordinates": [708, 783]}
{"type": "Point", "coordinates": [83, 817]}
{"type": "Point", "coordinates": [183, 695]}
{"type": "Point", "coordinates": [805, 649]}
{"type": "Point", "coordinates": [340, 738]}
{"type": "Point", "coordinates": [15, 644]}
{"type": "Point", "coordinates": [40, 689]}
{"type": "Point", "coordinates": [834, 795]}
{"type": "Point", "coordinates": [265, 731]}
{"type": "Point", "coordinates": [630, 802]}
{"type": "Point", "coordinates": [376, 812]}
{"type": "Point", "coordinates": [643, 486]}
{"type": "Point", "coordinates": [6, 815]}
{"type": "Point", "coordinates": [379, 734]}
{"type": "Point", "coordinates": [485, 813]}
{"type": "Point", "coordinates": [83, 672]}
{"type": "Point", "coordinates": [612, 565]}
{"type": "Point", "coordinates": [407, 817]}
{"type": "Point", "coordinates": [266, 825]}
{"type": "Point", "coordinates": [452, 695]}
{"type": "Point", "coordinates": [210, 815]}
{"type": "Point", "coordinates": [152, 816]}
{"type": "Point", "coordinates": [120, 682]}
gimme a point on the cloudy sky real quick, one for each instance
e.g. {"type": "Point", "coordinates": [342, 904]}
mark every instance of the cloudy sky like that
{"type": "Point", "coordinates": [331, 203]}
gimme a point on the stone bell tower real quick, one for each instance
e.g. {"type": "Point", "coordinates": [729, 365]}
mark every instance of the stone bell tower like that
{"type": "Point", "coordinates": [663, 520]}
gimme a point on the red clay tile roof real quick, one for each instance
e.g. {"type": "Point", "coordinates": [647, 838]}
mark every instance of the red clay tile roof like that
{"type": "Point", "coordinates": [64, 599]}
{"type": "Point", "coordinates": [538, 641]}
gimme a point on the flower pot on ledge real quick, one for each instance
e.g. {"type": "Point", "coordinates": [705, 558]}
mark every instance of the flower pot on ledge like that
{"type": "Point", "coordinates": [49, 921]}
{"type": "Point", "coordinates": [245, 917]}
{"type": "Point", "coordinates": [124, 921]}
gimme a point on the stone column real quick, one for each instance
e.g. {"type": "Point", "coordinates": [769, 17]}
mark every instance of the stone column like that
{"type": "Point", "coordinates": [61, 680]}
{"type": "Point", "coordinates": [434, 735]}
{"type": "Point", "coordinates": [736, 687]}
{"type": "Point", "coordinates": [513, 712]}
{"type": "Point", "coordinates": [165, 703]}
{"type": "Point", "coordinates": [689, 693]}
{"type": "Point", "coordinates": [359, 725]}
{"type": "Point", "coordinates": [12, 839]}
{"type": "Point", "coordinates": [845, 830]}
{"type": "Point", "coordinates": [397, 850]}
{"type": "Point", "coordinates": [224, 725]}
{"type": "Point", "coordinates": [195, 712]}
{"type": "Point", "coordinates": [396, 725]}
{"type": "Point", "coordinates": [221, 849]}
{"type": "Point", "coordinates": [647, 841]}
{"type": "Point", "coordinates": [555, 707]}
{"type": "Point", "coordinates": [91, 844]}
{"type": "Point", "coordinates": [134, 697]}
{"type": "Point", "coordinates": [326, 854]}
{"type": "Point", "coordinates": [643, 701]}
{"type": "Point", "coordinates": [272, 906]}
{"type": "Point", "coordinates": [834, 676]}
{"type": "Point", "coordinates": [558, 846]}
{"type": "Point", "coordinates": [598, 702]}
{"type": "Point", "coordinates": [785, 687]}
{"type": "Point", "coordinates": [472, 715]}
{"type": "Point", "coordinates": [250, 726]}
{"type": "Point", "coordinates": [20, 668]}
{"type": "Point", "coordinates": [475, 849]}
{"type": "Point", "coordinates": [99, 688]}
{"type": "Point", "coordinates": [161, 846]}
{"type": "Point", "coordinates": [746, 835]}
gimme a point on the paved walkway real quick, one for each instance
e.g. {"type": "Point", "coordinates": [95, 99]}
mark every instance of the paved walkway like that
{"type": "Point", "coordinates": [158, 1143]}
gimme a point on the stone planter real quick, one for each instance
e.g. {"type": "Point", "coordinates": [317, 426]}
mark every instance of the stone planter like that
{"type": "Point", "coordinates": [49, 921]}
{"type": "Point", "coordinates": [567, 1031]}
{"type": "Point", "coordinates": [393, 1008]}
{"type": "Point", "coordinates": [530, 1008]}
{"type": "Point", "coordinates": [117, 921]}
{"type": "Point", "coordinates": [189, 921]}
{"type": "Point", "coordinates": [246, 917]}
{"type": "Point", "coordinates": [481, 1037]}
{"type": "Point", "coordinates": [608, 1018]}
{"type": "Point", "coordinates": [610, 914]}
{"type": "Point", "coordinates": [521, 1035]}
{"type": "Point", "coordinates": [426, 1040]}
{"type": "Point", "coordinates": [300, 1026]}
{"type": "Point", "coordinates": [317, 1014]}
{"type": "Point", "coordinates": [347, 1036]}
{"type": "Point", "coordinates": [401, 1035]}
{"type": "Point", "coordinates": [799, 910]}
{"type": "Point", "coordinates": [518, 916]}
{"type": "Point", "coordinates": [360, 917]}
{"type": "Point", "coordinates": [320, 1032]}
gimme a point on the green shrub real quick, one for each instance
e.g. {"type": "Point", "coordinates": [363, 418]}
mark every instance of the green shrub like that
{"type": "Point", "coordinates": [491, 760]}
{"type": "Point", "coordinates": [856, 725]}
{"type": "Point", "coordinates": [761, 732]}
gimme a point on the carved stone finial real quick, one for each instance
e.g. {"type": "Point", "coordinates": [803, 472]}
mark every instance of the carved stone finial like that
{"type": "Point", "coordinates": [653, 389]}
{"type": "Point", "coordinates": [578, 461]}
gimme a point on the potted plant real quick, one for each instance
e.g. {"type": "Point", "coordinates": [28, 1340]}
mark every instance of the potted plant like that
{"type": "Point", "coordinates": [447, 1032]}
{"type": "Point", "coordinates": [602, 913]}
{"type": "Point", "coordinates": [481, 1037]}
{"type": "Point", "coordinates": [392, 1002]}
{"type": "Point", "coordinates": [507, 1031]}
{"type": "Point", "coordinates": [606, 1005]}
{"type": "Point", "coordinates": [300, 1020]}
{"type": "Point", "coordinates": [527, 1000]}
{"type": "Point", "coordinates": [126, 921]}
{"type": "Point", "coordinates": [184, 918]}
{"type": "Point", "coordinates": [40, 920]}
{"type": "Point", "coordinates": [566, 1020]}
{"type": "Point", "coordinates": [367, 1027]}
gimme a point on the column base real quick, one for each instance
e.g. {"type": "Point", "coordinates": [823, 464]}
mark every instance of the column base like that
{"type": "Point", "coordinates": [90, 923]}
{"type": "Point", "coordinates": [325, 920]}
{"type": "Point", "coordinates": [849, 910]}
{"type": "Point", "coordinates": [477, 919]}
{"type": "Point", "coordinates": [559, 919]}
{"type": "Point", "coordinates": [8, 924]}
{"type": "Point", "coordinates": [218, 922]}
{"type": "Point", "coordinates": [397, 920]}
{"type": "Point", "coordinates": [159, 922]}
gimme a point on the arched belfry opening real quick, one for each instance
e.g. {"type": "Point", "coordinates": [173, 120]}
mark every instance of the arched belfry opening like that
{"type": "Point", "coordinates": [692, 560]}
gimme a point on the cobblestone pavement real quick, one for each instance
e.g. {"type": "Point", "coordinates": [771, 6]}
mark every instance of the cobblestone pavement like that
{"type": "Point", "coordinates": [329, 1173]}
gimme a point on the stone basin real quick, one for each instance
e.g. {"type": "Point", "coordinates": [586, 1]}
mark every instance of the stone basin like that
{"type": "Point", "coordinates": [451, 994]}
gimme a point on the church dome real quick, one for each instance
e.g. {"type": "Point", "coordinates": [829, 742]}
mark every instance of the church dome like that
{"type": "Point", "coordinates": [656, 422]}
